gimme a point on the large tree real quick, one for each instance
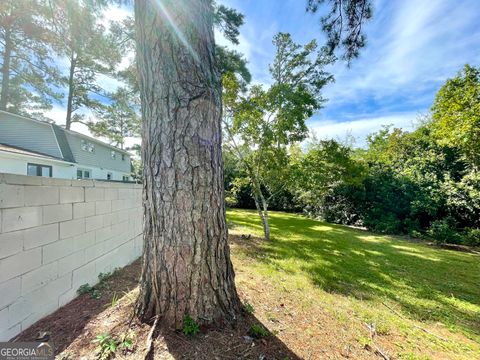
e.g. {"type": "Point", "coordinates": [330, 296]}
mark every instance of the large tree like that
{"type": "Point", "coordinates": [118, 120]}
{"type": "Point", "coordinates": [90, 51]}
{"type": "Point", "coordinates": [25, 57]}
{"type": "Point", "coordinates": [456, 113]}
{"type": "Point", "coordinates": [186, 264]}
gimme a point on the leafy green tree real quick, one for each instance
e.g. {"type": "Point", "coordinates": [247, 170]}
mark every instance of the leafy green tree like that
{"type": "Point", "coordinates": [267, 121]}
{"type": "Point", "coordinates": [26, 63]}
{"type": "Point", "coordinates": [456, 113]}
{"type": "Point", "coordinates": [325, 167]}
{"type": "Point", "coordinates": [118, 120]}
{"type": "Point", "coordinates": [89, 50]}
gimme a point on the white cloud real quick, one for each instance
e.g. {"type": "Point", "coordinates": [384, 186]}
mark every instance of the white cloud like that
{"type": "Point", "coordinates": [361, 127]}
{"type": "Point", "coordinates": [412, 45]}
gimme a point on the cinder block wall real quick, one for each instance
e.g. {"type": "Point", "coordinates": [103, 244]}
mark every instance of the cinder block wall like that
{"type": "Point", "coordinates": [56, 235]}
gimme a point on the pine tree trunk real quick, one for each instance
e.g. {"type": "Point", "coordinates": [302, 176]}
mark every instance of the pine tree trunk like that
{"type": "Point", "coordinates": [186, 261]}
{"type": "Point", "coordinates": [68, 120]}
{"type": "Point", "coordinates": [7, 52]}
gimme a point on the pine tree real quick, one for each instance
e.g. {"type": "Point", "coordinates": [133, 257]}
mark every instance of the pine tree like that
{"type": "Point", "coordinates": [26, 58]}
{"type": "Point", "coordinates": [89, 49]}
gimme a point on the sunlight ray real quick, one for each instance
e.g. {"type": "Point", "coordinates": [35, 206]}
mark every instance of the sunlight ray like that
{"type": "Point", "coordinates": [176, 30]}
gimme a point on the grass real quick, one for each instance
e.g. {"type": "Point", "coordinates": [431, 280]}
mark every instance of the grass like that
{"type": "Point", "coordinates": [414, 294]}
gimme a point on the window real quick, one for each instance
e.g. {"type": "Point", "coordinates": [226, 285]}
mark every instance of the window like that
{"type": "Point", "coordinates": [87, 146]}
{"type": "Point", "coordinates": [83, 174]}
{"type": "Point", "coordinates": [114, 155]}
{"type": "Point", "coordinates": [123, 157]}
{"type": "Point", "coordinates": [109, 176]}
{"type": "Point", "coordinates": [39, 170]}
{"type": "Point", "coordinates": [126, 178]}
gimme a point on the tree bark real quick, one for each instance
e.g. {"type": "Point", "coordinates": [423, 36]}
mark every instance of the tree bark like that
{"type": "Point", "coordinates": [68, 120]}
{"type": "Point", "coordinates": [262, 208]}
{"type": "Point", "coordinates": [186, 260]}
{"type": "Point", "coordinates": [7, 52]}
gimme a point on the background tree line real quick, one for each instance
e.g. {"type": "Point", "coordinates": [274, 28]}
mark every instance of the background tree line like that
{"type": "Point", "coordinates": [425, 183]}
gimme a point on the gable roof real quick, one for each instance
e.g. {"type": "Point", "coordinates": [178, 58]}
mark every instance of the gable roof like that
{"type": "Point", "coordinates": [19, 151]}
{"type": "Point", "coordinates": [41, 137]}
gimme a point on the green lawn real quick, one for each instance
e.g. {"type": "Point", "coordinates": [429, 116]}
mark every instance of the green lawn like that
{"type": "Point", "coordinates": [366, 274]}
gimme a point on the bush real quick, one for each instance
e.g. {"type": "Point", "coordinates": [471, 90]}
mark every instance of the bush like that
{"type": "Point", "coordinates": [258, 331]}
{"type": "Point", "coordinates": [472, 237]}
{"type": "Point", "coordinates": [443, 231]}
{"type": "Point", "coordinates": [190, 326]}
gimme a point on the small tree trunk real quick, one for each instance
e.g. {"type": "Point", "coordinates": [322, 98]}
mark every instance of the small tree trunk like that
{"type": "Point", "coordinates": [7, 52]}
{"type": "Point", "coordinates": [266, 225]}
{"type": "Point", "coordinates": [68, 120]}
{"type": "Point", "coordinates": [262, 207]}
{"type": "Point", "coordinates": [186, 259]}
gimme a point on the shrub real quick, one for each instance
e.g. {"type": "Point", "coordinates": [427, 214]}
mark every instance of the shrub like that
{"type": "Point", "coordinates": [258, 331]}
{"type": "Point", "coordinates": [443, 231]}
{"type": "Point", "coordinates": [87, 289]}
{"type": "Point", "coordinates": [190, 326]}
{"type": "Point", "coordinates": [472, 237]}
{"type": "Point", "coordinates": [249, 309]}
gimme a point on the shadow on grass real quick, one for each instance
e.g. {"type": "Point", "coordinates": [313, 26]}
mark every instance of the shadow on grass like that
{"type": "Point", "coordinates": [429, 284]}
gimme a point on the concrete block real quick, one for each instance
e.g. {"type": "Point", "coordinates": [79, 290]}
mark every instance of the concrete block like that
{"type": "Point", "coordinates": [41, 195]}
{"type": "Point", "coordinates": [71, 262]}
{"type": "Point", "coordinates": [57, 250]}
{"type": "Point", "coordinates": [125, 193]}
{"type": "Point", "coordinates": [83, 209]}
{"type": "Point", "coordinates": [94, 252]}
{"type": "Point", "coordinates": [56, 182]}
{"type": "Point", "coordinates": [72, 194]}
{"type": "Point", "coordinates": [10, 290]}
{"type": "Point", "coordinates": [83, 241]}
{"type": "Point", "coordinates": [57, 213]}
{"type": "Point", "coordinates": [118, 205]}
{"type": "Point", "coordinates": [103, 207]}
{"type": "Point", "coordinates": [37, 278]}
{"type": "Point", "coordinates": [11, 196]}
{"type": "Point", "coordinates": [83, 275]}
{"type": "Point", "coordinates": [22, 179]}
{"type": "Point", "coordinates": [94, 222]}
{"type": "Point", "coordinates": [4, 320]}
{"type": "Point", "coordinates": [103, 234]}
{"type": "Point", "coordinates": [20, 263]}
{"type": "Point", "coordinates": [111, 194]}
{"type": "Point", "coordinates": [10, 333]}
{"type": "Point", "coordinates": [11, 243]}
{"type": "Point", "coordinates": [66, 297]}
{"type": "Point", "coordinates": [94, 194]}
{"type": "Point", "coordinates": [39, 236]}
{"type": "Point", "coordinates": [83, 183]}
{"type": "Point", "coordinates": [72, 228]}
{"type": "Point", "coordinates": [21, 218]}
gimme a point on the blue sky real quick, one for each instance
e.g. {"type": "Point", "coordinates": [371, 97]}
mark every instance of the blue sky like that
{"type": "Point", "coordinates": [413, 47]}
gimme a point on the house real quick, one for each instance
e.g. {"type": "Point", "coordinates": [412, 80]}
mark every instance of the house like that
{"type": "Point", "coordinates": [39, 148]}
